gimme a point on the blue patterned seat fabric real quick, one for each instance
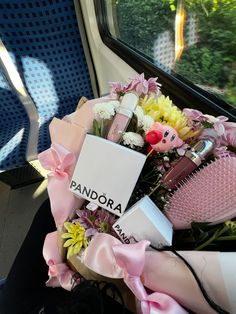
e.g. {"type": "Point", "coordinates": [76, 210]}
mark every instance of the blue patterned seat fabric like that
{"type": "Point", "coordinates": [14, 128]}
{"type": "Point", "coordinates": [44, 39]}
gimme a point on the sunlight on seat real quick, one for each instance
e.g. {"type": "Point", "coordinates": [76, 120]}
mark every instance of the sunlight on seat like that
{"type": "Point", "coordinates": [10, 145]}
{"type": "Point", "coordinates": [40, 83]}
{"type": "Point", "coordinates": [11, 70]}
{"type": "Point", "coordinates": [40, 189]}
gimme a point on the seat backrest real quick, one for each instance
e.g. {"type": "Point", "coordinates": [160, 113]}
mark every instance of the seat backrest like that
{"type": "Point", "coordinates": [14, 127]}
{"type": "Point", "coordinates": [45, 40]}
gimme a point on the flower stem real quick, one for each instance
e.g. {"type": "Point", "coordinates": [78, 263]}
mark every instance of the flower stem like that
{"type": "Point", "coordinates": [215, 236]}
{"type": "Point", "coordinates": [151, 151]}
{"type": "Point", "coordinates": [156, 187]}
{"type": "Point", "coordinates": [227, 238]}
{"type": "Point", "coordinates": [102, 128]}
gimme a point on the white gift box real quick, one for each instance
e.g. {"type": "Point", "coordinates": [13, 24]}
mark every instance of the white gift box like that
{"type": "Point", "coordinates": [144, 221]}
{"type": "Point", "coordinates": [106, 173]}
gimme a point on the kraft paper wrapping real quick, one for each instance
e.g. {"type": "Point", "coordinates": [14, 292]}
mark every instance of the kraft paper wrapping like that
{"type": "Point", "coordinates": [70, 136]}
{"type": "Point", "coordinates": [71, 130]}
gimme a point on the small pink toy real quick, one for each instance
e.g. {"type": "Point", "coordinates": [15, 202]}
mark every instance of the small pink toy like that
{"type": "Point", "coordinates": [163, 138]}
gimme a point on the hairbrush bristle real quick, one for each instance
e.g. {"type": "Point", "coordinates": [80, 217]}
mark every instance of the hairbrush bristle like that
{"type": "Point", "coordinates": [209, 195]}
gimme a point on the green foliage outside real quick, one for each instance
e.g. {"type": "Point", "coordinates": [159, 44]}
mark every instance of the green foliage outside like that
{"type": "Point", "coordinates": [141, 21]}
{"type": "Point", "coordinates": [211, 63]}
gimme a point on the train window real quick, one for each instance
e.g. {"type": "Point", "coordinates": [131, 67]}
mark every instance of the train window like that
{"type": "Point", "coordinates": [192, 40]}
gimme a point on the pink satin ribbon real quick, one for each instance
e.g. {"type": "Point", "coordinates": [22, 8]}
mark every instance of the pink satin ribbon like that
{"type": "Point", "coordinates": [60, 275]}
{"type": "Point", "coordinates": [59, 161]}
{"type": "Point", "coordinates": [107, 256]}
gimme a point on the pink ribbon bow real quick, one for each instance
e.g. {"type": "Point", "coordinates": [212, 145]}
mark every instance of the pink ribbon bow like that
{"type": "Point", "coordinates": [60, 275]}
{"type": "Point", "coordinates": [59, 161]}
{"type": "Point", "coordinates": [107, 256]}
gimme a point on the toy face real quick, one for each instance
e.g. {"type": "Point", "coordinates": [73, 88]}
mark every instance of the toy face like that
{"type": "Point", "coordinates": [163, 138]}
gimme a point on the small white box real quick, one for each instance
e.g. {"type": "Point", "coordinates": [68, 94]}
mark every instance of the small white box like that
{"type": "Point", "coordinates": [145, 221]}
{"type": "Point", "coordinates": [106, 173]}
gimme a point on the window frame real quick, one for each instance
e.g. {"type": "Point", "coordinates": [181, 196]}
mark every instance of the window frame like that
{"type": "Point", "coordinates": [181, 91]}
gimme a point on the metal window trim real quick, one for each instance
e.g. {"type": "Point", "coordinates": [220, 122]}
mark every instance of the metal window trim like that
{"type": "Point", "coordinates": [87, 52]}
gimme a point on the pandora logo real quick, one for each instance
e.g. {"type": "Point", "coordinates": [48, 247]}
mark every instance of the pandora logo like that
{"type": "Point", "coordinates": [93, 195]}
{"type": "Point", "coordinates": [121, 234]}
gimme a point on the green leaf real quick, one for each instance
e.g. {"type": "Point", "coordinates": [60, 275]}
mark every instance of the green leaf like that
{"type": "Point", "coordinates": [207, 125]}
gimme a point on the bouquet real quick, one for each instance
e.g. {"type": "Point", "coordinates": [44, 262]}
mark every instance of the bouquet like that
{"type": "Point", "coordinates": [126, 168]}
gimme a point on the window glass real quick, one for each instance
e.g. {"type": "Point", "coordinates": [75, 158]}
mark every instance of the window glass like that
{"type": "Point", "coordinates": [194, 39]}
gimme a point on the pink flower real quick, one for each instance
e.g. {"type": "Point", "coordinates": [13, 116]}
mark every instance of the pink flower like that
{"type": "Point", "coordinates": [142, 86]}
{"type": "Point", "coordinates": [182, 149]}
{"type": "Point", "coordinates": [229, 138]}
{"type": "Point", "coordinates": [211, 134]}
{"type": "Point", "coordinates": [221, 143]}
{"type": "Point", "coordinates": [230, 127]}
{"type": "Point", "coordinates": [99, 220]}
{"type": "Point", "coordinates": [194, 115]}
{"type": "Point", "coordinates": [138, 84]}
{"type": "Point", "coordinates": [86, 219]}
{"type": "Point", "coordinates": [218, 123]}
{"type": "Point", "coordinates": [104, 221]}
{"type": "Point", "coordinates": [117, 88]}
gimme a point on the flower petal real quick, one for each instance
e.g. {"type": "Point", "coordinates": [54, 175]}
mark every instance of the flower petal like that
{"type": "Point", "coordinates": [66, 235]}
{"type": "Point", "coordinates": [68, 243]}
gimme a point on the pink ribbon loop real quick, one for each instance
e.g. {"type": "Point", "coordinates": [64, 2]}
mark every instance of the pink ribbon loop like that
{"type": "Point", "coordinates": [60, 275]}
{"type": "Point", "coordinates": [59, 161]}
{"type": "Point", "coordinates": [131, 257]}
{"type": "Point", "coordinates": [109, 257]}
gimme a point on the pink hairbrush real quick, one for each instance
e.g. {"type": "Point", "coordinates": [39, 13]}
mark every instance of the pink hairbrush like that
{"type": "Point", "coordinates": [209, 195]}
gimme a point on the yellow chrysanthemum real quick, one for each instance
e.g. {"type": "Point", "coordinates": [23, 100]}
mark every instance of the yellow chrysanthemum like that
{"type": "Point", "coordinates": [162, 110]}
{"type": "Point", "coordinates": [76, 238]}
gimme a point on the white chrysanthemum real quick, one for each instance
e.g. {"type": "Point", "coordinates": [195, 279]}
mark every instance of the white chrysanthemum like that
{"type": "Point", "coordinates": [147, 122]}
{"type": "Point", "coordinates": [139, 114]}
{"type": "Point", "coordinates": [105, 110]}
{"type": "Point", "coordinates": [133, 139]}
